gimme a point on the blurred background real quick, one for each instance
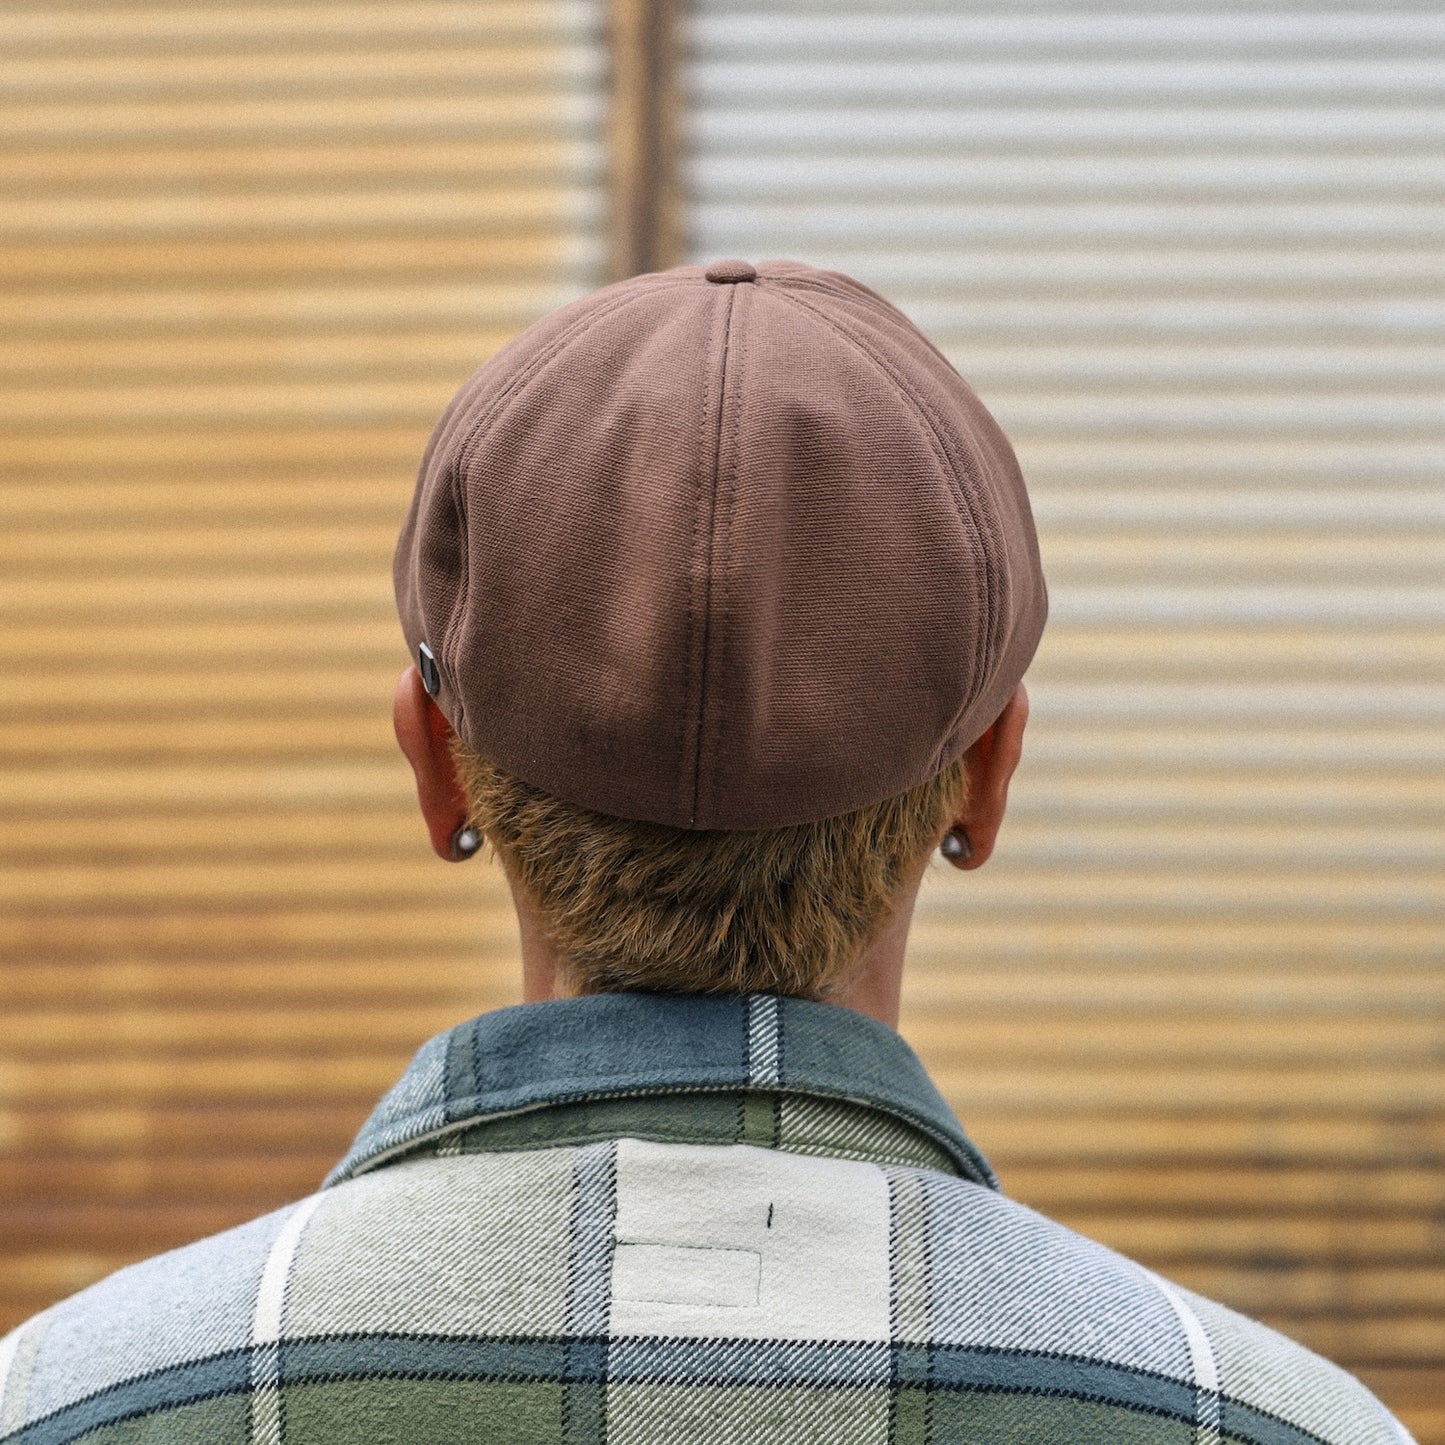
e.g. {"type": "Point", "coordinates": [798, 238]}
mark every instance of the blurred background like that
{"type": "Point", "coordinates": [1190, 255]}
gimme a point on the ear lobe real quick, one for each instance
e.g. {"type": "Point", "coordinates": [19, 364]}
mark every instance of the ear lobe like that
{"type": "Point", "coordinates": [424, 736]}
{"type": "Point", "coordinates": [991, 763]}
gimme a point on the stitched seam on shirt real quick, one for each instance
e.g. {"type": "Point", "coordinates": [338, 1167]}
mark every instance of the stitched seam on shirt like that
{"type": "Point", "coordinates": [726, 1141]}
{"type": "Point", "coordinates": [421, 1146]}
{"type": "Point", "coordinates": [971, 1170]}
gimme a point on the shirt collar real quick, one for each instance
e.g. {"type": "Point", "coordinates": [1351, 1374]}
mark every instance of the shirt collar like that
{"type": "Point", "coordinates": [628, 1045]}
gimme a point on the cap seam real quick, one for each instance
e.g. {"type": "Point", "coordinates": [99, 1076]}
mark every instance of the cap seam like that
{"type": "Point", "coordinates": [462, 455]}
{"type": "Point", "coordinates": [710, 553]}
{"type": "Point", "coordinates": [883, 365]}
{"type": "Point", "coordinates": [867, 299]}
{"type": "Point", "coordinates": [983, 525]}
{"type": "Point", "coordinates": [724, 511]}
{"type": "Point", "coordinates": [863, 297]}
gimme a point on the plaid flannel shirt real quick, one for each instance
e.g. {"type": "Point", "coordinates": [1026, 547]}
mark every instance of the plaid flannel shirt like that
{"type": "Point", "coordinates": [639, 1219]}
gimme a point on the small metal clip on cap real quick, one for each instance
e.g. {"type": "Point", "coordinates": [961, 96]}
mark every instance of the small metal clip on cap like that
{"type": "Point", "coordinates": [426, 664]}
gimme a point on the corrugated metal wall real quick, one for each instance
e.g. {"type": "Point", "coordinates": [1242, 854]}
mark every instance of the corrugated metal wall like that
{"type": "Point", "coordinates": [246, 254]}
{"type": "Point", "coordinates": [1192, 258]}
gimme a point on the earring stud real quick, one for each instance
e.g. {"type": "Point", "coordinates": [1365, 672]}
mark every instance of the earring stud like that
{"type": "Point", "coordinates": [957, 847]}
{"type": "Point", "coordinates": [465, 841]}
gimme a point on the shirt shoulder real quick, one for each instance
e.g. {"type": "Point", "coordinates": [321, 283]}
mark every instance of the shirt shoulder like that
{"type": "Point", "coordinates": [1006, 1277]}
{"type": "Point", "coordinates": [431, 1267]}
{"type": "Point", "coordinates": [178, 1325]}
{"type": "Point", "coordinates": [666, 1283]}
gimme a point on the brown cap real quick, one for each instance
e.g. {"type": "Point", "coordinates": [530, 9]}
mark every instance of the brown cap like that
{"type": "Point", "coordinates": [722, 547]}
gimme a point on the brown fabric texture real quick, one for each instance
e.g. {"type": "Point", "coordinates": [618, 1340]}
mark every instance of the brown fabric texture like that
{"type": "Point", "coordinates": [731, 553]}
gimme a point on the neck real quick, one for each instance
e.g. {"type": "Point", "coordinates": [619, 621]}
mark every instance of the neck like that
{"type": "Point", "coordinates": [877, 983]}
{"type": "Point", "coordinates": [873, 989]}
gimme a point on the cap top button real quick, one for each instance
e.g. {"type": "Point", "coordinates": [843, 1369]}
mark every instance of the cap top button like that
{"type": "Point", "coordinates": [726, 272]}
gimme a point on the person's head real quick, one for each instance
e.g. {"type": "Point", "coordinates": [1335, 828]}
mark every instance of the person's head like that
{"type": "Point", "coordinates": [721, 585]}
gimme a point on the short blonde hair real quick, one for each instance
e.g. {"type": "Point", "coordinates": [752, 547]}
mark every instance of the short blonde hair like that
{"type": "Point", "coordinates": [630, 906]}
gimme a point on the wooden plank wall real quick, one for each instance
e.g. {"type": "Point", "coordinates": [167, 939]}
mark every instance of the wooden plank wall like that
{"type": "Point", "coordinates": [247, 253]}
{"type": "Point", "coordinates": [1191, 255]}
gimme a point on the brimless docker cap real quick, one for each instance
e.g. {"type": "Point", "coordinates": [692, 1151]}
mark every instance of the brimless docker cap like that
{"type": "Point", "coordinates": [730, 547]}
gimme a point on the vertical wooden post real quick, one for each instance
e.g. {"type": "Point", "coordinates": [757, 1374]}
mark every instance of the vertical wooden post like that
{"type": "Point", "coordinates": [644, 224]}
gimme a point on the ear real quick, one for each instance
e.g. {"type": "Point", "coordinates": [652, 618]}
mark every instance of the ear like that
{"type": "Point", "coordinates": [991, 762]}
{"type": "Point", "coordinates": [425, 737]}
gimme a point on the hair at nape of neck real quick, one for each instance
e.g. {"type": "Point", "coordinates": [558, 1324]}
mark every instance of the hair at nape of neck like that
{"type": "Point", "coordinates": [646, 906]}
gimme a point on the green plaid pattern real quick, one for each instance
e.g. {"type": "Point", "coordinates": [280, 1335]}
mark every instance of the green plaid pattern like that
{"type": "Point", "coordinates": [630, 1220]}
